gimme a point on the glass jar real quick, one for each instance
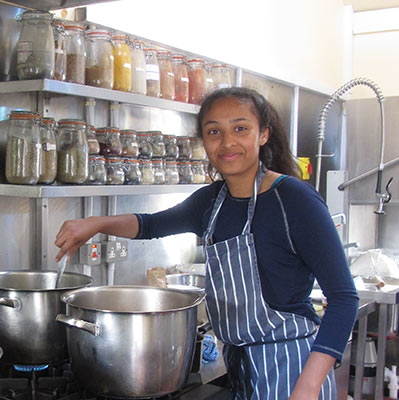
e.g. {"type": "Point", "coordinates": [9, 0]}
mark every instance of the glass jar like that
{"type": "Point", "coordinates": [185, 172]}
{"type": "Point", "coordinates": [23, 151]}
{"type": "Point", "coordinates": [97, 171]}
{"type": "Point", "coordinates": [147, 172]}
{"type": "Point", "coordinates": [171, 173]}
{"type": "Point", "coordinates": [60, 51]}
{"type": "Point", "coordinates": [159, 171]}
{"type": "Point", "coordinates": [139, 83]}
{"type": "Point", "coordinates": [152, 73]}
{"type": "Point", "coordinates": [205, 166]}
{"type": "Point", "coordinates": [198, 172]}
{"type": "Point", "coordinates": [167, 77]}
{"type": "Point", "coordinates": [48, 164]}
{"type": "Point", "coordinates": [209, 83]}
{"type": "Point", "coordinates": [145, 147]}
{"type": "Point", "coordinates": [75, 53]}
{"type": "Point", "coordinates": [171, 148]}
{"type": "Point", "coordinates": [197, 149]}
{"type": "Point", "coordinates": [221, 76]}
{"type": "Point", "coordinates": [115, 172]}
{"type": "Point", "coordinates": [183, 142]}
{"type": "Point", "coordinates": [109, 141]}
{"type": "Point", "coordinates": [196, 81]}
{"type": "Point", "coordinates": [181, 78]}
{"type": "Point", "coordinates": [157, 143]}
{"type": "Point", "coordinates": [92, 142]}
{"type": "Point", "coordinates": [130, 146]}
{"type": "Point", "coordinates": [99, 59]}
{"type": "Point", "coordinates": [122, 64]}
{"type": "Point", "coordinates": [73, 153]}
{"type": "Point", "coordinates": [35, 48]}
{"type": "Point", "coordinates": [132, 170]}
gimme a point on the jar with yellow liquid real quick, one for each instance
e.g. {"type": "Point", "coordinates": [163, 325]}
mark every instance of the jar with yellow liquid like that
{"type": "Point", "coordinates": [122, 64]}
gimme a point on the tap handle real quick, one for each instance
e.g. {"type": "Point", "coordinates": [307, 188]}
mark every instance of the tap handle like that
{"type": "Point", "coordinates": [389, 196]}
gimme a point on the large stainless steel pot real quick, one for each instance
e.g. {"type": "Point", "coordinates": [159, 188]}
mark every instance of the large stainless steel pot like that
{"type": "Point", "coordinates": [131, 341]}
{"type": "Point", "coordinates": [29, 333]}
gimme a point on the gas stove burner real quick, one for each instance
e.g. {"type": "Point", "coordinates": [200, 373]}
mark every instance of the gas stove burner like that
{"type": "Point", "coordinates": [30, 368]}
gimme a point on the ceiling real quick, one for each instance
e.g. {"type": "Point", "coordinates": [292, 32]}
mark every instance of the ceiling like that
{"type": "Point", "coordinates": [367, 5]}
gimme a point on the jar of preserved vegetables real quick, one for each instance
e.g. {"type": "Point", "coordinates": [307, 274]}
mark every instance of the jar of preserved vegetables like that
{"type": "Point", "coordinates": [196, 81]}
{"type": "Point", "coordinates": [183, 142]}
{"type": "Point", "coordinates": [209, 83]}
{"type": "Point", "coordinates": [181, 78]}
{"type": "Point", "coordinates": [185, 172]}
{"type": "Point", "coordinates": [139, 83]}
{"type": "Point", "coordinates": [147, 172]}
{"type": "Point", "coordinates": [97, 171]}
{"type": "Point", "coordinates": [35, 48]}
{"type": "Point", "coordinates": [110, 141]}
{"type": "Point", "coordinates": [157, 143]}
{"type": "Point", "coordinates": [115, 172]}
{"type": "Point", "coordinates": [130, 146]}
{"type": "Point", "coordinates": [94, 146]}
{"type": "Point", "coordinates": [152, 73]}
{"type": "Point", "coordinates": [159, 171]}
{"type": "Point", "coordinates": [171, 173]}
{"type": "Point", "coordinates": [122, 64]}
{"type": "Point", "coordinates": [75, 53]}
{"type": "Point", "coordinates": [197, 149]}
{"type": "Point", "coordinates": [221, 76]}
{"type": "Point", "coordinates": [48, 165]}
{"type": "Point", "coordinates": [99, 59]}
{"type": "Point", "coordinates": [23, 151]}
{"type": "Point", "coordinates": [132, 170]}
{"type": "Point", "coordinates": [171, 148]}
{"type": "Point", "coordinates": [60, 51]}
{"type": "Point", "coordinates": [73, 152]}
{"type": "Point", "coordinates": [145, 147]}
{"type": "Point", "coordinates": [198, 172]}
{"type": "Point", "coordinates": [167, 77]}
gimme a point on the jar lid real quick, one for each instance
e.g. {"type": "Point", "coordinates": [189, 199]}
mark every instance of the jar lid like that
{"type": "Point", "coordinates": [113, 159]}
{"type": "Point", "coordinates": [163, 53]}
{"type": "Point", "coordinates": [113, 129]}
{"type": "Point", "coordinates": [71, 122]}
{"type": "Point", "coordinates": [119, 36]}
{"type": "Point", "coordinates": [220, 66]}
{"type": "Point", "coordinates": [47, 120]}
{"type": "Point", "coordinates": [73, 27]}
{"type": "Point", "coordinates": [102, 130]}
{"type": "Point", "coordinates": [150, 49]}
{"type": "Point", "coordinates": [196, 60]}
{"type": "Point", "coordinates": [98, 33]}
{"type": "Point", "coordinates": [155, 133]}
{"type": "Point", "coordinates": [146, 161]}
{"type": "Point", "coordinates": [142, 134]}
{"type": "Point", "coordinates": [22, 114]}
{"type": "Point", "coordinates": [157, 161]}
{"type": "Point", "coordinates": [178, 57]}
{"type": "Point", "coordinates": [128, 132]}
{"type": "Point", "coordinates": [132, 160]}
{"type": "Point", "coordinates": [171, 162]}
{"type": "Point", "coordinates": [36, 14]}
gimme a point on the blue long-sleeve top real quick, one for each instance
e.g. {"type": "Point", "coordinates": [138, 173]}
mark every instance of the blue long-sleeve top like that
{"type": "Point", "coordinates": [296, 241]}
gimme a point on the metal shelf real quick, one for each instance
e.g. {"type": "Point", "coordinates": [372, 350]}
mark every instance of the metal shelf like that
{"type": "Point", "coordinates": [53, 4]}
{"type": "Point", "coordinates": [55, 191]}
{"type": "Point", "coordinates": [73, 89]}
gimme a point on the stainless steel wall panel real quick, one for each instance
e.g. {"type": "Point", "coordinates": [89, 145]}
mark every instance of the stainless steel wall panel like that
{"type": "Point", "coordinates": [134, 117]}
{"type": "Point", "coordinates": [388, 227]}
{"type": "Point", "coordinates": [65, 107]}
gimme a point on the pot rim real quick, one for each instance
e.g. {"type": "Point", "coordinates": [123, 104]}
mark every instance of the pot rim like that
{"type": "Point", "coordinates": [197, 298]}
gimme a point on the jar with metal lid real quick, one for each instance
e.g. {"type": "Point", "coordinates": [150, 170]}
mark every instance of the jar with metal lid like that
{"type": "Point", "coordinates": [221, 76]}
{"type": "Point", "coordinates": [48, 164]}
{"type": "Point", "coordinates": [145, 147]}
{"type": "Point", "coordinates": [97, 171]}
{"type": "Point", "coordinates": [133, 175]}
{"type": "Point", "coordinates": [197, 149]}
{"type": "Point", "coordinates": [109, 140]}
{"type": "Point", "coordinates": [115, 172]}
{"type": "Point", "coordinates": [35, 48]}
{"type": "Point", "coordinates": [147, 172]}
{"type": "Point", "coordinates": [185, 172]}
{"type": "Point", "coordinates": [139, 83]}
{"type": "Point", "coordinates": [122, 64]}
{"type": "Point", "coordinates": [196, 81]}
{"type": "Point", "coordinates": [130, 146]}
{"type": "Point", "coordinates": [171, 148]}
{"type": "Point", "coordinates": [167, 77]}
{"type": "Point", "coordinates": [73, 152]}
{"type": "Point", "coordinates": [157, 143]}
{"type": "Point", "coordinates": [159, 171]}
{"type": "Point", "coordinates": [23, 150]}
{"type": "Point", "coordinates": [181, 77]}
{"type": "Point", "coordinates": [75, 53]}
{"type": "Point", "coordinates": [183, 142]}
{"type": "Point", "coordinates": [92, 142]}
{"type": "Point", "coordinates": [209, 83]}
{"type": "Point", "coordinates": [198, 172]}
{"type": "Point", "coordinates": [171, 173]}
{"type": "Point", "coordinates": [152, 73]}
{"type": "Point", "coordinates": [99, 59]}
{"type": "Point", "coordinates": [60, 51]}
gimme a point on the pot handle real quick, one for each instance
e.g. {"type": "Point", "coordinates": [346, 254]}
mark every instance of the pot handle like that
{"type": "Point", "coordinates": [79, 323]}
{"type": "Point", "coordinates": [13, 303]}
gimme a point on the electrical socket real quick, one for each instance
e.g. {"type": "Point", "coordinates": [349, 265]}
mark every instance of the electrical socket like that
{"type": "Point", "coordinates": [114, 251]}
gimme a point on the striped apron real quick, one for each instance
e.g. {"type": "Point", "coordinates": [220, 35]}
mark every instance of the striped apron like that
{"type": "Point", "coordinates": [265, 349]}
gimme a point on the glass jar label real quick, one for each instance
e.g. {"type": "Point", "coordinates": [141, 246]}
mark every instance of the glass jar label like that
{"type": "Point", "coordinates": [24, 51]}
{"type": "Point", "coordinates": [49, 146]}
{"type": "Point", "coordinates": [152, 72]}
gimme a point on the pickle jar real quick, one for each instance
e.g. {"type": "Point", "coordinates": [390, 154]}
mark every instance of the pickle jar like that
{"type": "Point", "coordinates": [166, 75]}
{"type": "Point", "coordinates": [23, 151]}
{"type": "Point", "coordinates": [197, 148]}
{"type": "Point", "coordinates": [139, 83]}
{"type": "Point", "coordinates": [35, 47]}
{"type": "Point", "coordinates": [48, 164]}
{"type": "Point", "coordinates": [171, 173]}
{"type": "Point", "coordinates": [221, 76]}
{"type": "Point", "coordinates": [75, 53]}
{"type": "Point", "coordinates": [183, 143]}
{"type": "Point", "coordinates": [59, 51]}
{"type": "Point", "coordinates": [73, 152]}
{"type": "Point", "coordinates": [197, 169]}
{"type": "Point", "coordinates": [147, 172]}
{"type": "Point", "coordinates": [185, 172]}
{"type": "Point", "coordinates": [181, 77]}
{"type": "Point", "coordinates": [97, 171]}
{"type": "Point", "coordinates": [152, 73]}
{"type": "Point", "coordinates": [99, 59]}
{"type": "Point", "coordinates": [130, 147]}
{"type": "Point", "coordinates": [109, 141]}
{"type": "Point", "coordinates": [145, 147]}
{"type": "Point", "coordinates": [94, 146]}
{"type": "Point", "coordinates": [133, 175]}
{"type": "Point", "coordinates": [115, 171]}
{"type": "Point", "coordinates": [157, 144]}
{"type": "Point", "coordinates": [171, 148]}
{"type": "Point", "coordinates": [196, 81]}
{"type": "Point", "coordinates": [122, 64]}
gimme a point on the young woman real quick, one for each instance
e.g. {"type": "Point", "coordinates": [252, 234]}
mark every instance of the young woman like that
{"type": "Point", "coordinates": [267, 236]}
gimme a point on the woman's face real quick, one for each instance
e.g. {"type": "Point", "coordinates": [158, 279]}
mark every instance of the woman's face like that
{"type": "Point", "coordinates": [232, 138]}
